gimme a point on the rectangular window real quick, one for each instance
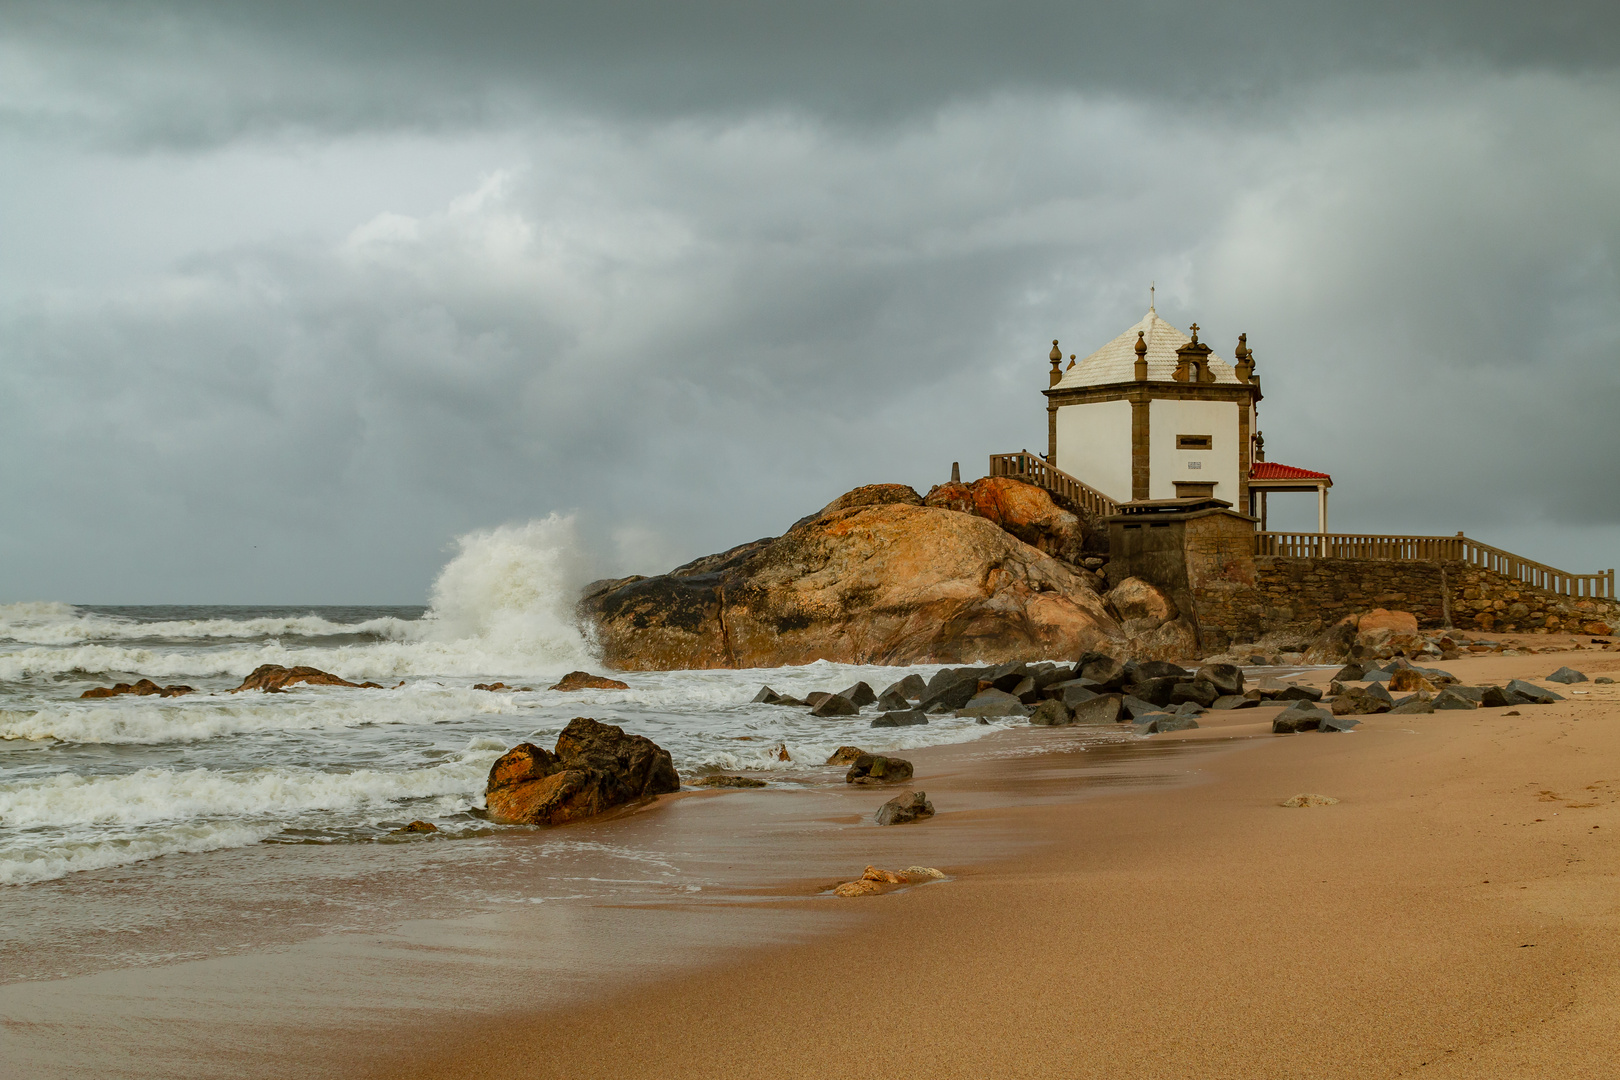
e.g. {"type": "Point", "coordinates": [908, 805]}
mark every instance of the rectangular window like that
{"type": "Point", "coordinates": [1195, 442]}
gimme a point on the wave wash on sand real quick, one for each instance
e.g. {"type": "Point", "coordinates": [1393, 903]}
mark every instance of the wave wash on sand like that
{"type": "Point", "coordinates": [87, 784]}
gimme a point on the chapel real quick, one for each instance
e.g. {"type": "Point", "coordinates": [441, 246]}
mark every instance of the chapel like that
{"type": "Point", "coordinates": [1156, 414]}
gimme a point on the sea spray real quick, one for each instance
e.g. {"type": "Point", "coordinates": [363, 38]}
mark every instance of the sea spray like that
{"type": "Point", "coordinates": [513, 590]}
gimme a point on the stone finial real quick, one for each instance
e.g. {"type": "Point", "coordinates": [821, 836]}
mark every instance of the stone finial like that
{"type": "Point", "coordinates": [1259, 446]}
{"type": "Point", "coordinates": [1057, 360]}
{"type": "Point", "coordinates": [1195, 333]}
{"type": "Point", "coordinates": [1057, 354]}
{"type": "Point", "coordinates": [1141, 356]}
{"type": "Point", "coordinates": [1244, 356]}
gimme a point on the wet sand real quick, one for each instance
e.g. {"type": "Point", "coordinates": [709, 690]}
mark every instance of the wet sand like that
{"type": "Point", "coordinates": [1145, 909]}
{"type": "Point", "coordinates": [1457, 913]}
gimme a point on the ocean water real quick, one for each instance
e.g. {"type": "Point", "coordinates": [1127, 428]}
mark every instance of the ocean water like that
{"type": "Point", "coordinates": [91, 784]}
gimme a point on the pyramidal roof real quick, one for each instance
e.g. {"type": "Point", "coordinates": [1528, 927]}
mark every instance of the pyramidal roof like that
{"type": "Point", "coordinates": [1115, 362]}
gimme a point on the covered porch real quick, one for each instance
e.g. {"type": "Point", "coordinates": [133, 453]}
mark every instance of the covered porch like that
{"type": "Point", "coordinates": [1266, 477]}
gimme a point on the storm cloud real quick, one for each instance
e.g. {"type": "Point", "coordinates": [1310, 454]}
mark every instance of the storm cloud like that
{"type": "Point", "coordinates": [294, 294]}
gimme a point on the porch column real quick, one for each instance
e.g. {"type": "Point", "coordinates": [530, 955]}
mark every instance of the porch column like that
{"type": "Point", "coordinates": [1321, 508]}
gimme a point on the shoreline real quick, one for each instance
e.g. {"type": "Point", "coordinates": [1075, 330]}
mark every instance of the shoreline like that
{"type": "Point", "coordinates": [1075, 876]}
{"type": "Point", "coordinates": [1448, 915]}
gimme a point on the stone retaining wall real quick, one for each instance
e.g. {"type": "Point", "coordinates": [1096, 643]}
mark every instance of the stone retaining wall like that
{"type": "Point", "coordinates": [1252, 596]}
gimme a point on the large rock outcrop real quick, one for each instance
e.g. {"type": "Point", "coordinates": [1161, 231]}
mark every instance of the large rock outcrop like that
{"type": "Point", "coordinates": [595, 768]}
{"type": "Point", "coordinates": [874, 583]}
{"type": "Point", "coordinates": [1021, 508]}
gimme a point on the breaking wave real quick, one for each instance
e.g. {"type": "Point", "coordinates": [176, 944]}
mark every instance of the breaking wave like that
{"type": "Point", "coordinates": [503, 605]}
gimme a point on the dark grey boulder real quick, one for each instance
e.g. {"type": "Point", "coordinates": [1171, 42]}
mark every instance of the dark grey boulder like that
{"type": "Point", "coordinates": [1157, 691]}
{"type": "Point", "coordinates": [1187, 708]}
{"type": "Point", "coordinates": [889, 701]}
{"type": "Point", "coordinates": [1226, 678]}
{"type": "Point", "coordinates": [1102, 709]}
{"type": "Point", "coordinates": [1566, 675]}
{"type": "Point", "coordinates": [1135, 706]}
{"type": "Point", "coordinates": [1161, 669]}
{"type": "Point", "coordinates": [1337, 723]}
{"type": "Point", "coordinates": [766, 696]}
{"type": "Point", "coordinates": [1476, 694]}
{"type": "Point", "coordinates": [1166, 724]}
{"type": "Point", "coordinates": [901, 718]}
{"type": "Point", "coordinates": [835, 705]}
{"type": "Point", "coordinates": [1194, 690]}
{"type": "Point", "coordinates": [1149, 724]}
{"type": "Point", "coordinates": [1604, 679]}
{"type": "Point", "coordinates": [816, 697]}
{"type": "Point", "coordinates": [1533, 694]}
{"type": "Point", "coordinates": [1350, 673]}
{"type": "Point", "coordinates": [1074, 694]}
{"type": "Point", "coordinates": [1235, 701]}
{"type": "Point", "coordinates": [1026, 691]}
{"type": "Point", "coordinates": [1357, 701]}
{"type": "Point", "coordinates": [1447, 700]}
{"type": "Point", "coordinates": [911, 687]}
{"type": "Point", "coordinates": [951, 695]}
{"type": "Point", "coordinates": [785, 699]}
{"type": "Point", "coordinates": [1298, 693]}
{"type": "Point", "coordinates": [993, 703]}
{"type": "Point", "coordinates": [1051, 674]}
{"type": "Point", "coordinates": [1101, 669]}
{"type": "Point", "coordinates": [878, 769]}
{"type": "Point", "coordinates": [905, 809]}
{"type": "Point", "coordinates": [1417, 703]}
{"type": "Point", "coordinates": [1300, 716]}
{"type": "Point", "coordinates": [1051, 713]}
{"type": "Point", "coordinates": [860, 695]}
{"type": "Point", "coordinates": [1492, 697]}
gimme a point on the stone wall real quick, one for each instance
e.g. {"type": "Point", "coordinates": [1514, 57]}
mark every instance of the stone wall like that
{"type": "Point", "coordinates": [1246, 598]}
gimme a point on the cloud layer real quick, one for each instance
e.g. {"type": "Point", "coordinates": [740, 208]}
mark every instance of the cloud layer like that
{"type": "Point", "coordinates": [286, 354]}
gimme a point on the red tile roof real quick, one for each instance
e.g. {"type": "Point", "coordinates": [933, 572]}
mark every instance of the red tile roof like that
{"type": "Point", "coordinates": [1275, 470]}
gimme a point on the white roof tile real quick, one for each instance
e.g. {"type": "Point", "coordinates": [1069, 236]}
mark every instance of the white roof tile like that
{"type": "Point", "coordinates": [1115, 362]}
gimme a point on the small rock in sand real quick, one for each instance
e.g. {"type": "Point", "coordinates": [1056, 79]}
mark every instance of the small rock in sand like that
{"type": "Point", "coordinates": [1566, 675]}
{"type": "Point", "coordinates": [904, 809]}
{"type": "Point", "coordinates": [417, 827]}
{"type": "Point", "coordinates": [862, 887]}
{"type": "Point", "coordinates": [845, 755]}
{"type": "Point", "coordinates": [584, 680]}
{"type": "Point", "coordinates": [728, 781]}
{"type": "Point", "coordinates": [1310, 800]}
{"type": "Point", "coordinates": [877, 769]}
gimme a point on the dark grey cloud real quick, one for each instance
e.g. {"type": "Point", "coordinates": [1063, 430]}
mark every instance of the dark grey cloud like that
{"type": "Point", "coordinates": [195, 72]}
{"type": "Point", "coordinates": [292, 297]}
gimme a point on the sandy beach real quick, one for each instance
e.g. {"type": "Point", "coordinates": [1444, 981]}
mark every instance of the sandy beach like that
{"type": "Point", "coordinates": [1454, 914]}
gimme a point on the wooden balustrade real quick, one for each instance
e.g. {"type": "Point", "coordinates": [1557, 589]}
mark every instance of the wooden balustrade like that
{"type": "Point", "coordinates": [1434, 548]}
{"type": "Point", "coordinates": [1037, 470]}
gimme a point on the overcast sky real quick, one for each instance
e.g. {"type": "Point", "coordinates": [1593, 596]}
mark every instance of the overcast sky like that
{"type": "Point", "coordinates": [293, 294]}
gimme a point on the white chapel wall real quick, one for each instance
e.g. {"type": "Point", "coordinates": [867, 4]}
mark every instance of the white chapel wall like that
{"type": "Point", "coordinates": [1094, 445]}
{"type": "Point", "coordinates": [1168, 418]}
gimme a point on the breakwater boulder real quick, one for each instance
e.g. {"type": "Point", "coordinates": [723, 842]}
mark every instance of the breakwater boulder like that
{"type": "Point", "coordinates": [879, 582]}
{"type": "Point", "coordinates": [595, 768]}
{"type": "Point", "coordinates": [273, 679]}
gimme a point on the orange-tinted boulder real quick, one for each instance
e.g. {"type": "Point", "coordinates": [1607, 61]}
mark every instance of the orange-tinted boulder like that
{"type": "Point", "coordinates": [874, 495]}
{"type": "Point", "coordinates": [273, 678]}
{"type": "Point", "coordinates": [1023, 509]}
{"type": "Point", "coordinates": [596, 767]}
{"type": "Point", "coordinates": [143, 688]}
{"type": "Point", "coordinates": [584, 680]}
{"type": "Point", "coordinates": [877, 584]}
{"type": "Point", "coordinates": [1401, 622]}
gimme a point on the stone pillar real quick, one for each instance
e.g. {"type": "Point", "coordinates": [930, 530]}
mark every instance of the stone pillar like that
{"type": "Point", "coordinates": [1243, 455]}
{"type": "Point", "coordinates": [1321, 508]}
{"type": "Point", "coordinates": [1139, 446]}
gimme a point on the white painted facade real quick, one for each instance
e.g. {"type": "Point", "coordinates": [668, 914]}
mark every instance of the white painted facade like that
{"type": "Point", "coordinates": [1094, 443]}
{"type": "Point", "coordinates": [1168, 419]}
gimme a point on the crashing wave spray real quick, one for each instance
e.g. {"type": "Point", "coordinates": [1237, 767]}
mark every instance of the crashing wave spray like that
{"type": "Point", "coordinates": [511, 591]}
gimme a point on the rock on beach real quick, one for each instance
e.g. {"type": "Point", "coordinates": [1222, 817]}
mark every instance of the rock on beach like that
{"type": "Point", "coordinates": [596, 767]}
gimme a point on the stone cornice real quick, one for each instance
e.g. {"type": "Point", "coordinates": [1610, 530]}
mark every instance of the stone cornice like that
{"type": "Point", "coordinates": [1149, 391]}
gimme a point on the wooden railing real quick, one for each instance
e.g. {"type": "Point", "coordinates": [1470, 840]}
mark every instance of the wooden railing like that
{"type": "Point", "coordinates": [1432, 549]}
{"type": "Point", "coordinates": [1036, 469]}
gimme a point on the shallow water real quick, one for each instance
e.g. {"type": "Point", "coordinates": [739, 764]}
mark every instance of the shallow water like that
{"type": "Point", "coordinates": [99, 783]}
